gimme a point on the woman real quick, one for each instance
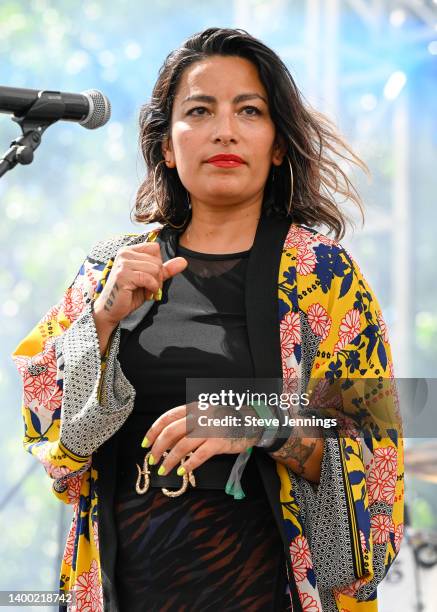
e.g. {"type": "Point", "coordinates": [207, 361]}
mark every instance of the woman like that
{"type": "Point", "coordinates": [272, 521]}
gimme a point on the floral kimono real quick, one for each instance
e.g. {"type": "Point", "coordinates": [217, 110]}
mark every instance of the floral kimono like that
{"type": "Point", "coordinates": [310, 315]}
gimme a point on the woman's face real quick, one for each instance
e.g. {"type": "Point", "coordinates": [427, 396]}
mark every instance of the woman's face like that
{"type": "Point", "coordinates": [223, 122]}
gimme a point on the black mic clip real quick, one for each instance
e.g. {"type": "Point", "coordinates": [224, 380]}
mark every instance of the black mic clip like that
{"type": "Point", "coordinates": [33, 124]}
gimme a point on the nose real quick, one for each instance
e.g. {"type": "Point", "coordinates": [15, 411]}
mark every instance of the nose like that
{"type": "Point", "coordinates": [224, 128]}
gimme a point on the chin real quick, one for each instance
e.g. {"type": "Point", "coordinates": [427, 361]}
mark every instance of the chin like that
{"type": "Point", "coordinates": [224, 197]}
{"type": "Point", "coordinates": [231, 189]}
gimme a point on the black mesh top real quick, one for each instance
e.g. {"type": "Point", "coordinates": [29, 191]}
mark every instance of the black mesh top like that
{"type": "Point", "coordinates": [197, 330]}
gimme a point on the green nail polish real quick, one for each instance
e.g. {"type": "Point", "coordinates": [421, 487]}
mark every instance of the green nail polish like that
{"type": "Point", "coordinates": [151, 460]}
{"type": "Point", "coordinates": [181, 471]}
{"type": "Point", "coordinates": [158, 295]}
{"type": "Point", "coordinates": [145, 443]}
{"type": "Point", "coordinates": [161, 471]}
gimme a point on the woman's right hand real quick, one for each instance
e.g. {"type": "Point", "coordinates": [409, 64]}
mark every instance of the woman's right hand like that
{"type": "Point", "coordinates": [137, 273]}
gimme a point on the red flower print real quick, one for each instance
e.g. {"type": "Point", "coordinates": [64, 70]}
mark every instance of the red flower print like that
{"type": "Point", "coordinates": [341, 343]}
{"type": "Point", "coordinates": [391, 370]}
{"type": "Point", "coordinates": [74, 484]}
{"type": "Point", "coordinates": [299, 548]}
{"type": "Point", "coordinates": [324, 239]}
{"type": "Point", "coordinates": [96, 534]}
{"type": "Point", "coordinates": [287, 345]}
{"type": "Point", "coordinates": [363, 541]}
{"type": "Point", "coordinates": [73, 303]}
{"type": "Point", "coordinates": [292, 239]}
{"type": "Point", "coordinates": [88, 590]}
{"type": "Point", "coordinates": [92, 279]}
{"type": "Point", "coordinates": [51, 314]}
{"type": "Point", "coordinates": [350, 325]}
{"type": "Point", "coordinates": [290, 332]}
{"type": "Point", "coordinates": [309, 604]}
{"type": "Point", "coordinates": [382, 325]}
{"type": "Point", "coordinates": [349, 329]}
{"type": "Point", "coordinates": [381, 485]}
{"type": "Point", "coordinates": [21, 363]}
{"type": "Point", "coordinates": [94, 571]}
{"type": "Point", "coordinates": [43, 454]}
{"type": "Point", "coordinates": [321, 394]}
{"type": "Point", "coordinates": [352, 588]}
{"type": "Point", "coordinates": [69, 545]}
{"type": "Point", "coordinates": [306, 261]}
{"type": "Point", "coordinates": [40, 389]}
{"type": "Point", "coordinates": [319, 320]}
{"type": "Point", "coordinates": [56, 471]}
{"type": "Point", "coordinates": [346, 425]}
{"type": "Point", "coordinates": [288, 365]}
{"type": "Point", "coordinates": [399, 534]}
{"type": "Point", "coordinates": [386, 459]}
{"type": "Point", "coordinates": [297, 236]}
{"type": "Point", "coordinates": [290, 383]}
{"type": "Point", "coordinates": [55, 400]}
{"type": "Point", "coordinates": [299, 569]}
{"type": "Point", "coordinates": [381, 527]}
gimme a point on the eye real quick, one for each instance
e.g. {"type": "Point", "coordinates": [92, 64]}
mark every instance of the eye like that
{"type": "Point", "coordinates": [254, 108]}
{"type": "Point", "coordinates": [191, 111]}
{"type": "Point", "coordinates": [202, 108]}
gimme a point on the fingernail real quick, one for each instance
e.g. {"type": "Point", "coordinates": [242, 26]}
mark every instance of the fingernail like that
{"type": "Point", "coordinates": [158, 295]}
{"type": "Point", "coordinates": [145, 443]}
{"type": "Point", "coordinates": [161, 470]}
{"type": "Point", "coordinates": [181, 471]}
{"type": "Point", "coordinates": [149, 297]}
{"type": "Point", "coordinates": [151, 460]}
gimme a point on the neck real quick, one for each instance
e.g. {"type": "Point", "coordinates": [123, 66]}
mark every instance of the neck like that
{"type": "Point", "coordinates": [221, 230]}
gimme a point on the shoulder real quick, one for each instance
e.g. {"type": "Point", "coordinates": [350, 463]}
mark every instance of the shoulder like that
{"type": "Point", "coordinates": [320, 278]}
{"type": "Point", "coordinates": [329, 286]}
{"type": "Point", "coordinates": [105, 249]}
{"type": "Point", "coordinates": [317, 255]}
{"type": "Point", "coordinates": [307, 238]}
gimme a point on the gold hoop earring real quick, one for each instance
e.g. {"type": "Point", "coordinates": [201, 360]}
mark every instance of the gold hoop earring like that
{"type": "Point", "coordinates": [291, 185]}
{"type": "Point", "coordinates": [157, 203]}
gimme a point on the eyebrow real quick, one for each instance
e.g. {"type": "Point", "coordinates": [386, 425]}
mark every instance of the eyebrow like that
{"type": "Point", "coordinates": [240, 98]}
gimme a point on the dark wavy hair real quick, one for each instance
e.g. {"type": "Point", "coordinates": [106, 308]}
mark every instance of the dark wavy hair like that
{"type": "Point", "coordinates": [312, 141]}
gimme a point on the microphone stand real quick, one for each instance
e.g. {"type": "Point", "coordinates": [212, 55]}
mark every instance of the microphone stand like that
{"type": "Point", "coordinates": [33, 124]}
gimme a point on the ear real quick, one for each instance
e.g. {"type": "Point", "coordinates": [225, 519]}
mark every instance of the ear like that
{"type": "Point", "coordinates": [167, 152]}
{"type": "Point", "coordinates": [279, 150]}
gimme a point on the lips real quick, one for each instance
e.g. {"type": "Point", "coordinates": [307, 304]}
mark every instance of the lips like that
{"type": "Point", "coordinates": [226, 157]}
{"type": "Point", "coordinates": [226, 160]}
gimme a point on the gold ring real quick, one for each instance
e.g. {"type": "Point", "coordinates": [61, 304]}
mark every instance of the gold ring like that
{"type": "Point", "coordinates": [186, 478]}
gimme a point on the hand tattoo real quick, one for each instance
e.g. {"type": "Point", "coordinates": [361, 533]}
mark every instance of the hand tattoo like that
{"type": "Point", "coordinates": [110, 300]}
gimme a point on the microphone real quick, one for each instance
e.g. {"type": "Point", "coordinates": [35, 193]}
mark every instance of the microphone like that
{"type": "Point", "coordinates": [91, 108]}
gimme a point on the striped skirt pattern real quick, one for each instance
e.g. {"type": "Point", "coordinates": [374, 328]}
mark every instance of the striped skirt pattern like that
{"type": "Point", "coordinates": [200, 552]}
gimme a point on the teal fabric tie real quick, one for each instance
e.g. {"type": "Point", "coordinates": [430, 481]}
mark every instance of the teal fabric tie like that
{"type": "Point", "coordinates": [233, 485]}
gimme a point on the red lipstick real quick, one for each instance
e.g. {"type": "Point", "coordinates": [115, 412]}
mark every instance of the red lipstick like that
{"type": "Point", "coordinates": [226, 160]}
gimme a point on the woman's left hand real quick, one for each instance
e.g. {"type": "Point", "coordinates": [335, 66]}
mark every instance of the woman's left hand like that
{"type": "Point", "coordinates": [169, 431]}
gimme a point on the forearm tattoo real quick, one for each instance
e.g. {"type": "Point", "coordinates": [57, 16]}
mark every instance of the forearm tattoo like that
{"type": "Point", "coordinates": [303, 450]}
{"type": "Point", "coordinates": [296, 451]}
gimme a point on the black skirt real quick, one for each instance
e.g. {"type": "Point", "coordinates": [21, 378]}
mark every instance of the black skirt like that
{"type": "Point", "coordinates": [199, 552]}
